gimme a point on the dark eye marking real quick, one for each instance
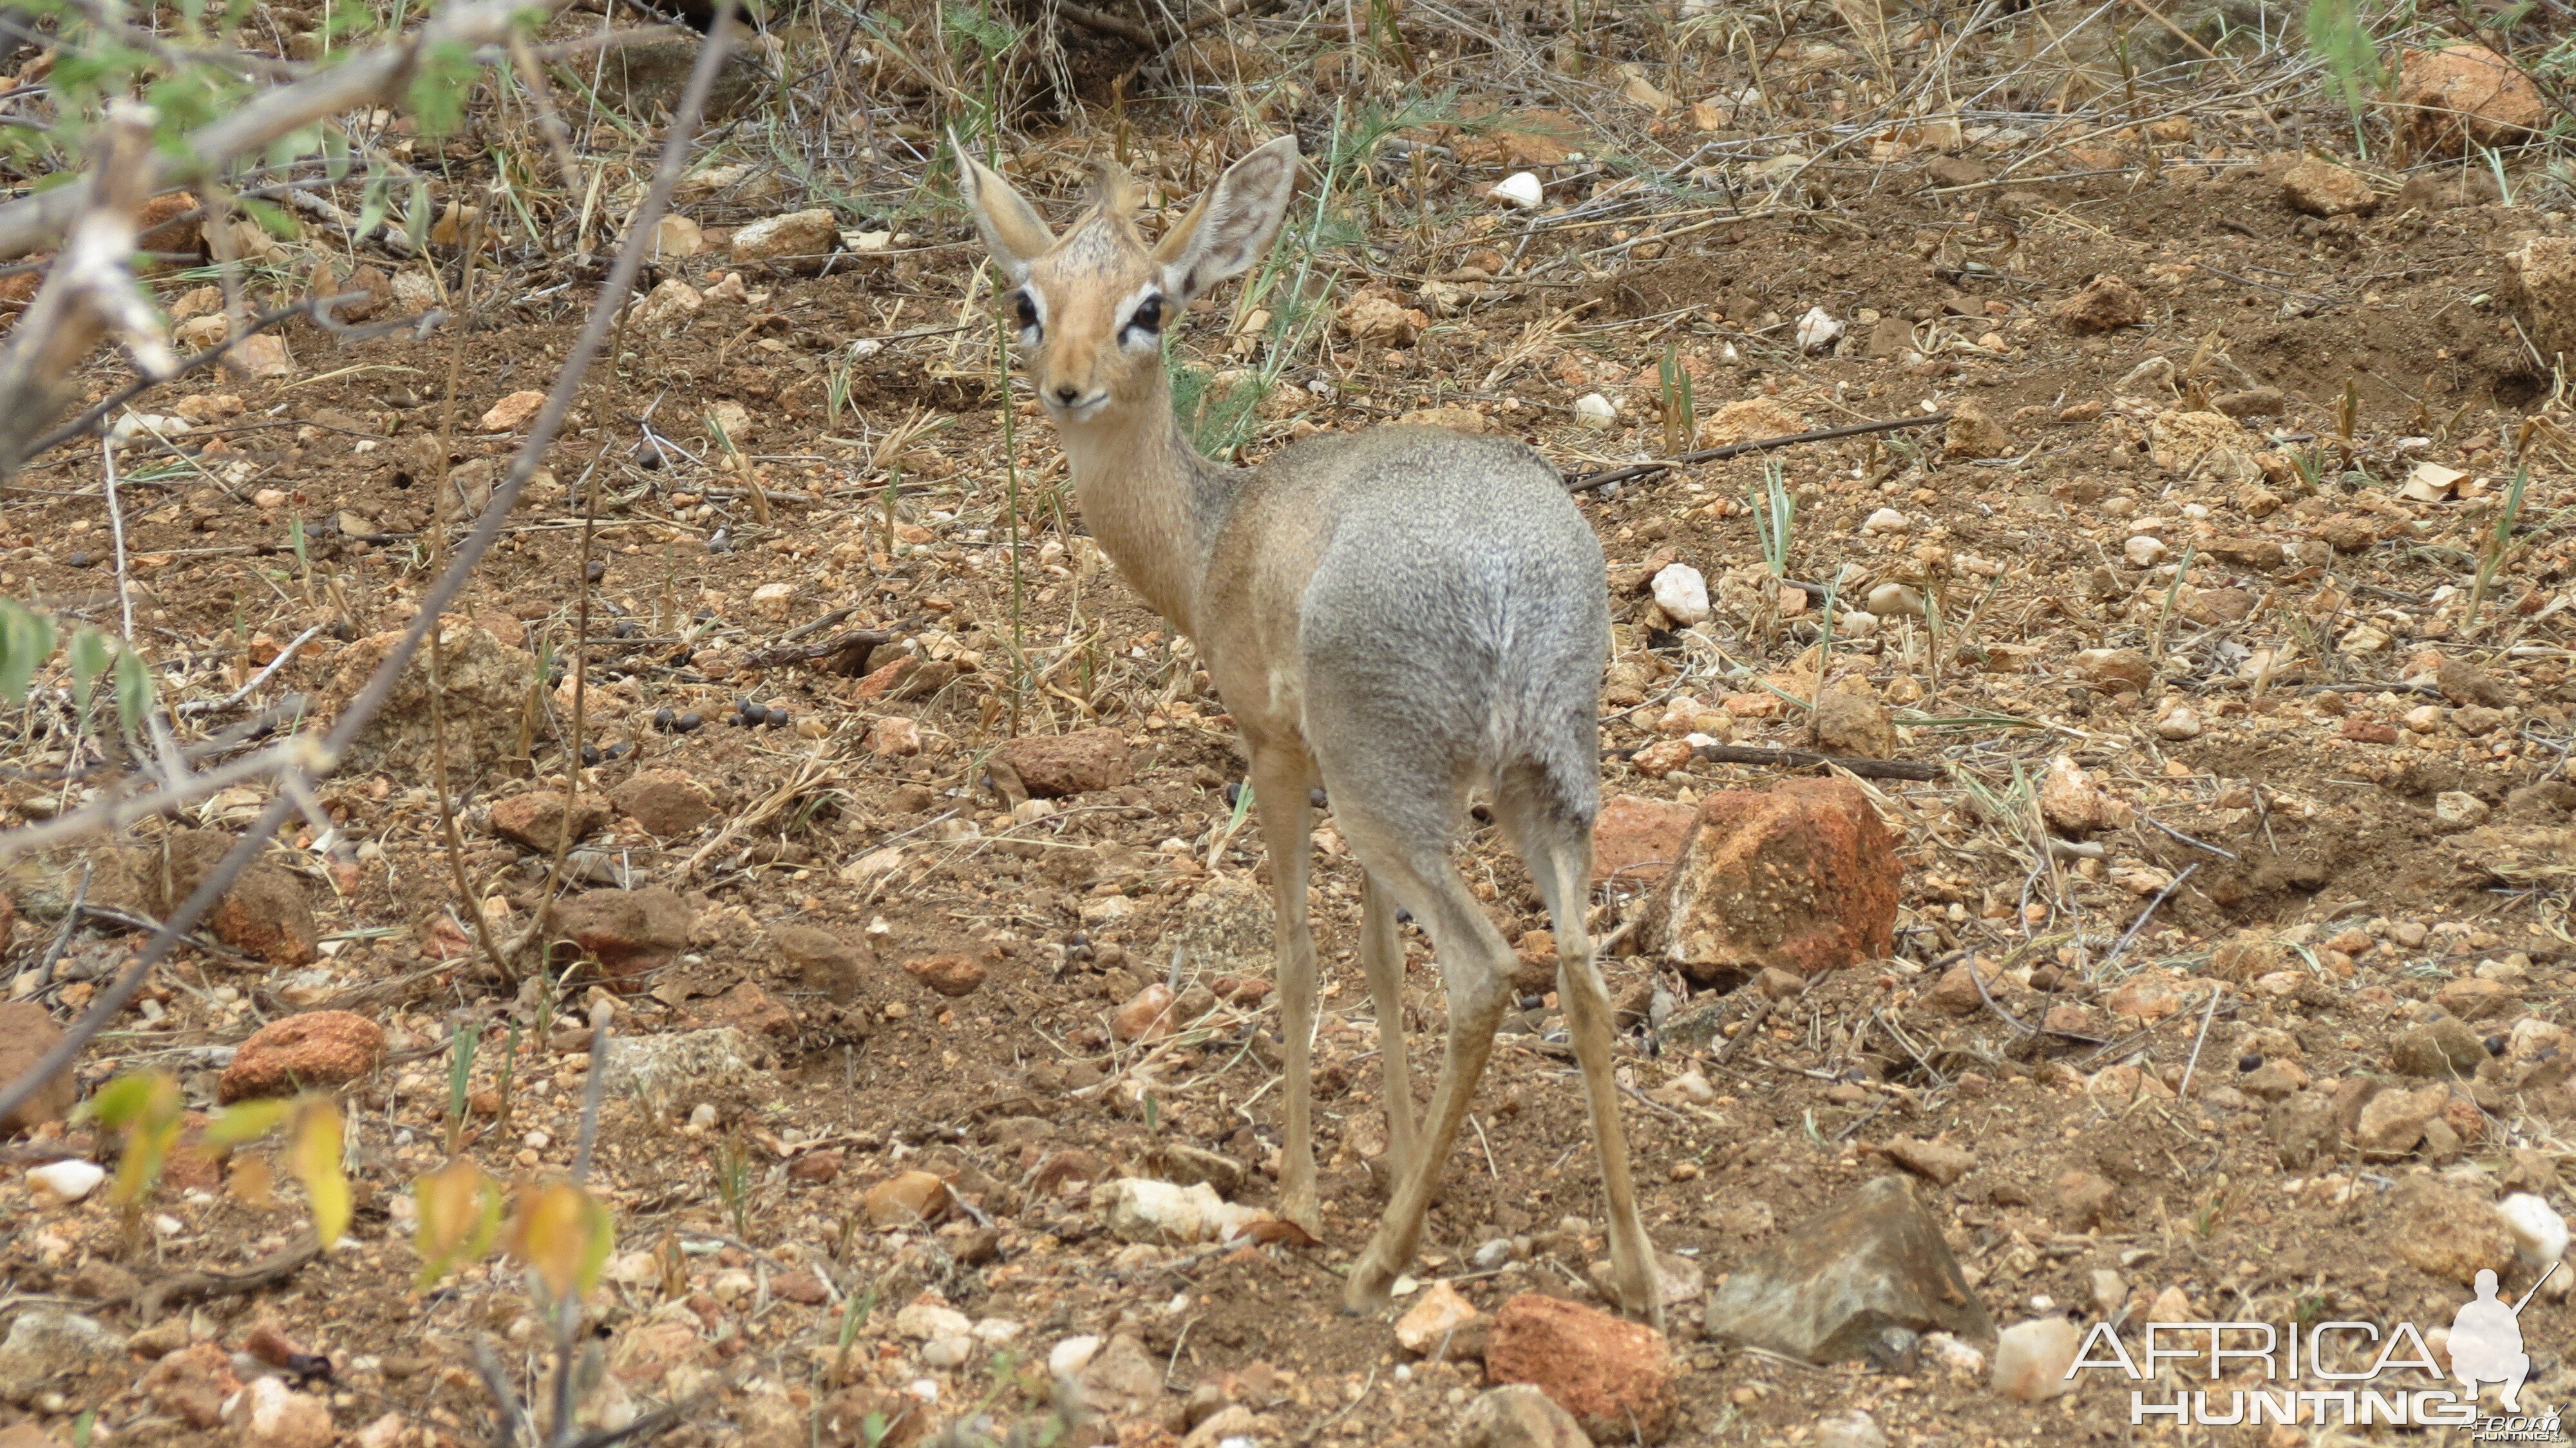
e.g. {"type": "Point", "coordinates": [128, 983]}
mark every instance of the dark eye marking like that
{"type": "Point", "coordinates": [1027, 310]}
{"type": "Point", "coordinates": [1148, 316]}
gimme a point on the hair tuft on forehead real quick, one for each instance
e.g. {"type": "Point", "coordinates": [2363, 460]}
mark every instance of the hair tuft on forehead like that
{"type": "Point", "coordinates": [1113, 192]}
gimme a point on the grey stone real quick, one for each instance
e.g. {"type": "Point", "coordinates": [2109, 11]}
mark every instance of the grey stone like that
{"type": "Point", "coordinates": [2303, 1128]}
{"type": "Point", "coordinates": [2440, 1047]}
{"type": "Point", "coordinates": [1518, 1416]}
{"type": "Point", "coordinates": [1184, 1165]}
{"type": "Point", "coordinates": [662, 1068]}
{"type": "Point", "coordinates": [645, 80]}
{"type": "Point", "coordinates": [46, 1344]}
{"type": "Point", "coordinates": [1224, 929]}
{"type": "Point", "coordinates": [1840, 1280]}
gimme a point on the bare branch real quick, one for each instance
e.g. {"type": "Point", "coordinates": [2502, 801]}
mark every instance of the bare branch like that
{"type": "Point", "coordinates": [91, 291]}
{"type": "Point", "coordinates": [322, 757]}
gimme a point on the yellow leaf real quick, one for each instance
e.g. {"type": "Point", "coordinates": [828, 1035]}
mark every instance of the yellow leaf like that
{"type": "Point", "coordinates": [245, 1121]}
{"type": "Point", "coordinates": [460, 1213]}
{"type": "Point", "coordinates": [314, 1156]}
{"type": "Point", "coordinates": [563, 1235]}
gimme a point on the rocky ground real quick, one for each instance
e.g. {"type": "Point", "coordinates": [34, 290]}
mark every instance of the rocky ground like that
{"type": "Point", "coordinates": [2202, 954]}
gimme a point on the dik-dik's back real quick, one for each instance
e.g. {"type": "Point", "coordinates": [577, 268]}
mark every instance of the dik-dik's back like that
{"type": "Point", "coordinates": [1448, 602]}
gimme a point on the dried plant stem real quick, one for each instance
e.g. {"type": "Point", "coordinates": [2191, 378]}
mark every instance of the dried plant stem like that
{"type": "Point", "coordinates": [312, 758]}
{"type": "Point", "coordinates": [450, 835]}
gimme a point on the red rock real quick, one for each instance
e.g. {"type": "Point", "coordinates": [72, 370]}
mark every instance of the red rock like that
{"type": "Point", "coordinates": [1802, 877]}
{"type": "Point", "coordinates": [1054, 765]}
{"type": "Point", "coordinates": [824, 961]}
{"type": "Point", "coordinates": [950, 975]}
{"type": "Point", "coordinates": [1616, 1377]}
{"type": "Point", "coordinates": [645, 1352]}
{"type": "Point", "coordinates": [1663, 757]}
{"type": "Point", "coordinates": [314, 1049]}
{"type": "Point", "coordinates": [27, 1031]}
{"type": "Point", "coordinates": [536, 820]}
{"type": "Point", "coordinates": [1636, 840]}
{"type": "Point", "coordinates": [2465, 93]}
{"type": "Point", "coordinates": [2322, 188]}
{"type": "Point", "coordinates": [894, 736]}
{"type": "Point", "coordinates": [2085, 1200]}
{"type": "Point", "coordinates": [157, 228]}
{"type": "Point", "coordinates": [802, 1285]}
{"type": "Point", "coordinates": [1060, 1167]}
{"type": "Point", "coordinates": [2107, 302]}
{"type": "Point", "coordinates": [270, 1344]}
{"type": "Point", "coordinates": [2369, 731]}
{"type": "Point", "coordinates": [748, 1008]}
{"type": "Point", "coordinates": [880, 683]}
{"type": "Point", "coordinates": [909, 1200]}
{"type": "Point", "coordinates": [1148, 1015]}
{"type": "Point", "coordinates": [665, 802]}
{"type": "Point", "coordinates": [816, 1166]}
{"type": "Point", "coordinates": [629, 931]}
{"type": "Point", "coordinates": [192, 1383]}
{"type": "Point", "coordinates": [264, 914]}
{"type": "Point", "coordinates": [1240, 990]}
{"type": "Point", "coordinates": [881, 1417]}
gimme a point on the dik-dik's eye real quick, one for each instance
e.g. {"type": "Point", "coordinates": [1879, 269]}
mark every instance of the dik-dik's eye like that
{"type": "Point", "coordinates": [1145, 323]}
{"type": "Point", "coordinates": [1026, 310]}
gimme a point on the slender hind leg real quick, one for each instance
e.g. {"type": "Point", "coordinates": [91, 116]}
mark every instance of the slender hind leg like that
{"type": "Point", "coordinates": [1476, 973]}
{"type": "Point", "coordinates": [1382, 956]}
{"type": "Point", "coordinates": [1281, 776]}
{"type": "Point", "coordinates": [1559, 855]}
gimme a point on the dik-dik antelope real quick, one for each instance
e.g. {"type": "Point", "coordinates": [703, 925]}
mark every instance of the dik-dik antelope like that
{"type": "Point", "coordinates": [1404, 615]}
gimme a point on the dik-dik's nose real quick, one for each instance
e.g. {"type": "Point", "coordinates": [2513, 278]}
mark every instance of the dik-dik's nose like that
{"type": "Point", "coordinates": [1068, 394]}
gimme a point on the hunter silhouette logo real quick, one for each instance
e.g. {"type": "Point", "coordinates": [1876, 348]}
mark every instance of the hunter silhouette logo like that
{"type": "Point", "coordinates": [2345, 1373]}
{"type": "Point", "coordinates": [2486, 1341]}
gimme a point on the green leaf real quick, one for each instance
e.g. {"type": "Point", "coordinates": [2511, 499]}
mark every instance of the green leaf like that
{"type": "Point", "coordinates": [2336, 33]}
{"type": "Point", "coordinates": [335, 154]}
{"type": "Point", "coordinates": [440, 86]}
{"type": "Point", "coordinates": [373, 204]}
{"type": "Point", "coordinates": [26, 641]}
{"type": "Point", "coordinates": [120, 1102]}
{"type": "Point", "coordinates": [147, 1106]}
{"type": "Point", "coordinates": [416, 222]}
{"type": "Point", "coordinates": [272, 218]}
{"type": "Point", "coordinates": [245, 1121]}
{"type": "Point", "coordinates": [90, 658]}
{"type": "Point", "coordinates": [133, 688]}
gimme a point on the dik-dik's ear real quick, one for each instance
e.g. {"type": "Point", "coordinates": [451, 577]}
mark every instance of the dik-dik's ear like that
{"type": "Point", "coordinates": [1013, 231]}
{"type": "Point", "coordinates": [1233, 223]}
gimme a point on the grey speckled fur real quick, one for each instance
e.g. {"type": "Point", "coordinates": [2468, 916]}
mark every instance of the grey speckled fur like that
{"type": "Point", "coordinates": [1457, 613]}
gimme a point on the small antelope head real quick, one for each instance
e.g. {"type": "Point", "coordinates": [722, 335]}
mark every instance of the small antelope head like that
{"type": "Point", "coordinates": [1091, 305]}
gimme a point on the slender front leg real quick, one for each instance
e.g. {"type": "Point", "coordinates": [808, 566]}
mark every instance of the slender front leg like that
{"type": "Point", "coordinates": [1280, 779]}
{"type": "Point", "coordinates": [1382, 957]}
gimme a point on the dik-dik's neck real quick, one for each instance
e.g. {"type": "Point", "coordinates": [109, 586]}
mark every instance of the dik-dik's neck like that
{"type": "Point", "coordinates": [1151, 501]}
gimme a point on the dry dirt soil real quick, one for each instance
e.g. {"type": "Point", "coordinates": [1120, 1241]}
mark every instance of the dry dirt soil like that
{"type": "Point", "coordinates": [2326, 794]}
